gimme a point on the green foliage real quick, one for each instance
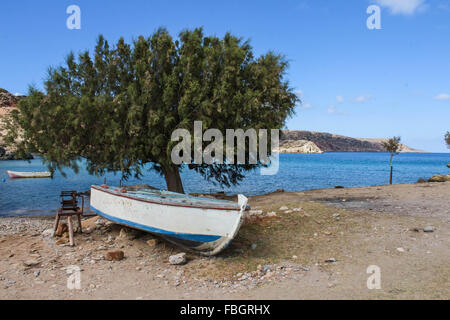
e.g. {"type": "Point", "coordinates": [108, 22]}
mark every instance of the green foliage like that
{"type": "Point", "coordinates": [118, 107]}
{"type": "Point", "coordinates": [447, 139]}
{"type": "Point", "coordinates": [392, 146]}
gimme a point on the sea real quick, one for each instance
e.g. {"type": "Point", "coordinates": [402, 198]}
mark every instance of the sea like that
{"type": "Point", "coordinates": [297, 172]}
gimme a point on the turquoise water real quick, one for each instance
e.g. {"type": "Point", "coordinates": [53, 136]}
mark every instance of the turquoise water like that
{"type": "Point", "coordinates": [297, 172]}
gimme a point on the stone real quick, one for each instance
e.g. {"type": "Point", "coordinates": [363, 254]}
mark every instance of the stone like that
{"type": "Point", "coordinates": [284, 208]}
{"type": "Point", "coordinates": [62, 228]}
{"type": "Point", "coordinates": [330, 260]}
{"type": "Point", "coordinates": [37, 273]}
{"type": "Point", "coordinates": [429, 229]}
{"type": "Point", "coordinates": [178, 259]}
{"type": "Point", "coordinates": [31, 262]}
{"type": "Point", "coordinates": [272, 214]}
{"type": "Point", "coordinates": [61, 241]}
{"type": "Point", "coordinates": [47, 232]}
{"type": "Point", "coordinates": [336, 215]}
{"type": "Point", "coordinates": [439, 178]}
{"type": "Point", "coordinates": [116, 255]}
{"type": "Point", "coordinates": [153, 242]}
{"type": "Point", "coordinates": [400, 250]}
{"type": "Point", "coordinates": [297, 209]}
{"type": "Point", "coordinates": [253, 246]}
{"type": "Point", "coordinates": [89, 223]}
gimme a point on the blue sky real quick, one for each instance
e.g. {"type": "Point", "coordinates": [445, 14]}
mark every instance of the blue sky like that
{"type": "Point", "coordinates": [353, 81]}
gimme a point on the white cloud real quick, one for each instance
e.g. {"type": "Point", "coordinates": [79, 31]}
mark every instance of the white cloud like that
{"type": "Point", "coordinates": [333, 110]}
{"type": "Point", "coordinates": [406, 7]}
{"type": "Point", "coordinates": [362, 99]}
{"type": "Point", "coordinates": [340, 99]}
{"type": "Point", "coordinates": [442, 96]}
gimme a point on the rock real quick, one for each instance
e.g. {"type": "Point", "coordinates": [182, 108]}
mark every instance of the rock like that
{"type": "Point", "coordinates": [153, 242]}
{"type": "Point", "coordinates": [400, 250]}
{"type": "Point", "coordinates": [439, 178]}
{"type": "Point", "coordinates": [279, 190]}
{"type": "Point", "coordinates": [330, 260]}
{"type": "Point", "coordinates": [255, 212]}
{"type": "Point", "coordinates": [62, 228]}
{"type": "Point", "coordinates": [114, 255]}
{"type": "Point", "coordinates": [31, 262]}
{"type": "Point", "coordinates": [2, 151]}
{"type": "Point", "coordinates": [284, 208]}
{"type": "Point", "coordinates": [272, 214]}
{"type": "Point", "coordinates": [128, 234]}
{"type": "Point", "coordinates": [90, 223]}
{"type": "Point", "coordinates": [339, 187]}
{"type": "Point", "coordinates": [37, 273]}
{"type": "Point", "coordinates": [429, 229]}
{"type": "Point", "coordinates": [298, 146]}
{"type": "Point", "coordinates": [178, 259]}
{"type": "Point", "coordinates": [61, 241]}
{"type": "Point", "coordinates": [253, 246]}
{"type": "Point", "coordinates": [297, 209]}
{"type": "Point", "coordinates": [47, 233]}
{"type": "Point", "coordinates": [265, 268]}
{"type": "Point", "coordinates": [448, 165]}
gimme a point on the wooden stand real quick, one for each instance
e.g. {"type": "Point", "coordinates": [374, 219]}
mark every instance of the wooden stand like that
{"type": "Point", "coordinates": [69, 208]}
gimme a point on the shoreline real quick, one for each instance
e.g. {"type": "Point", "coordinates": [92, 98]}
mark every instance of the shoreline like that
{"type": "Point", "coordinates": [319, 247]}
{"type": "Point", "coordinates": [233, 196]}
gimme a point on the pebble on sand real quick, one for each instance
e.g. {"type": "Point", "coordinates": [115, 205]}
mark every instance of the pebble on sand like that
{"type": "Point", "coordinates": [114, 255]}
{"type": "Point", "coordinates": [178, 259]}
{"type": "Point", "coordinates": [429, 229]}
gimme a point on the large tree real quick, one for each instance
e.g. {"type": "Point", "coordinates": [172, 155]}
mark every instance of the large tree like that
{"type": "Point", "coordinates": [118, 107]}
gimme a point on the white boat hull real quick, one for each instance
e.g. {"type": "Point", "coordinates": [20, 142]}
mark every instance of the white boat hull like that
{"type": "Point", "coordinates": [205, 230]}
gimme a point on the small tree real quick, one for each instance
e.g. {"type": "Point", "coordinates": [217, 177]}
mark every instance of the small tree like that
{"type": "Point", "coordinates": [117, 108]}
{"type": "Point", "coordinates": [447, 139]}
{"type": "Point", "coordinates": [392, 146]}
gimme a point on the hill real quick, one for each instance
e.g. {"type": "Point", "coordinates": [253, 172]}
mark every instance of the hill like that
{"type": "Point", "coordinates": [327, 142]}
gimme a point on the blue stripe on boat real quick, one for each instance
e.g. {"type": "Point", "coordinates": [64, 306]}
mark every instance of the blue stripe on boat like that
{"type": "Point", "coordinates": [185, 236]}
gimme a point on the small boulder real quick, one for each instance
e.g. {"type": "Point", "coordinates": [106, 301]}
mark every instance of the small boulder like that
{"type": "Point", "coordinates": [429, 229]}
{"type": "Point", "coordinates": [114, 255]}
{"type": "Point", "coordinates": [284, 208]}
{"type": "Point", "coordinates": [178, 259]}
{"type": "Point", "coordinates": [439, 178]}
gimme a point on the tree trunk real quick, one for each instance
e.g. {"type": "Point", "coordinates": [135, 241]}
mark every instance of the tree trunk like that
{"type": "Point", "coordinates": [173, 179]}
{"type": "Point", "coordinates": [390, 176]}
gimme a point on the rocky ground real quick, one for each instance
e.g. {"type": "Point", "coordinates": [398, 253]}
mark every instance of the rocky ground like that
{"type": "Point", "coordinates": [306, 245]}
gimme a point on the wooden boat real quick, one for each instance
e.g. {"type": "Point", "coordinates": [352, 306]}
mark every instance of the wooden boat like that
{"type": "Point", "coordinates": [204, 225]}
{"type": "Point", "coordinates": [16, 175]}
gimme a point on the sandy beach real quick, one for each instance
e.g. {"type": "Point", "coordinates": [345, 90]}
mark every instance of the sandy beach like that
{"type": "Point", "coordinates": [294, 245]}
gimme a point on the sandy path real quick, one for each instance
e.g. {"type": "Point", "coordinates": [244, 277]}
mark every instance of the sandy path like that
{"type": "Point", "coordinates": [375, 227]}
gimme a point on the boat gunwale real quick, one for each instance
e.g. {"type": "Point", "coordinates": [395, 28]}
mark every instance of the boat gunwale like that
{"type": "Point", "coordinates": [160, 203]}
